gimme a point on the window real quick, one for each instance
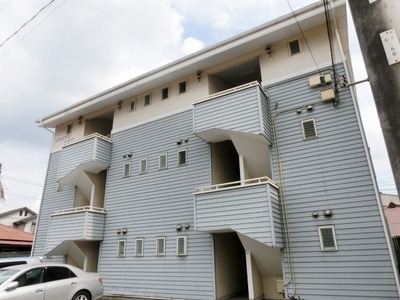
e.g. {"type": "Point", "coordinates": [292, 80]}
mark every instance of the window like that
{"type": "Point", "coordinates": [309, 129]}
{"type": "Point", "coordinates": [143, 166]}
{"type": "Point", "coordinates": [165, 93]}
{"type": "Point", "coordinates": [147, 100]}
{"type": "Point", "coordinates": [160, 244]}
{"type": "Point", "coordinates": [327, 238]}
{"type": "Point", "coordinates": [127, 169]}
{"type": "Point", "coordinates": [132, 105]}
{"type": "Point", "coordinates": [181, 245]}
{"type": "Point", "coordinates": [182, 157]}
{"type": "Point", "coordinates": [31, 277]}
{"type": "Point", "coordinates": [182, 87]}
{"type": "Point", "coordinates": [139, 247]}
{"type": "Point", "coordinates": [57, 273]}
{"type": "Point", "coordinates": [60, 186]}
{"type": "Point", "coordinates": [20, 212]}
{"type": "Point", "coordinates": [294, 47]}
{"type": "Point", "coordinates": [121, 248]}
{"type": "Point", "coordinates": [25, 213]}
{"type": "Point", "coordinates": [162, 161]}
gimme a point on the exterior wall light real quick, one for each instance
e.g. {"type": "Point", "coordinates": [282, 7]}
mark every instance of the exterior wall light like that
{"type": "Point", "coordinates": [315, 214]}
{"type": "Point", "coordinates": [328, 213]}
{"type": "Point", "coordinates": [125, 230]}
{"type": "Point", "coordinates": [179, 227]}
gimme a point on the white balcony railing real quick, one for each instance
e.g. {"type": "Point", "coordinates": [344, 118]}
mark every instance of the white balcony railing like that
{"type": "Point", "coordinates": [79, 209]}
{"type": "Point", "coordinates": [235, 184]}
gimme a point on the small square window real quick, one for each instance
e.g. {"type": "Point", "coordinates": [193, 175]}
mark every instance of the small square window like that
{"type": "Point", "coordinates": [327, 238]}
{"type": "Point", "coordinates": [127, 169]}
{"type": "Point", "coordinates": [139, 247]}
{"type": "Point", "coordinates": [160, 244]}
{"type": "Point", "coordinates": [165, 93]}
{"type": "Point", "coordinates": [182, 87]}
{"type": "Point", "coordinates": [69, 128]}
{"type": "Point", "coordinates": [294, 47]}
{"type": "Point", "coordinates": [132, 105]}
{"type": "Point", "coordinates": [182, 157]}
{"type": "Point", "coordinates": [309, 129]}
{"type": "Point", "coordinates": [60, 186]}
{"type": "Point", "coordinates": [181, 245]}
{"type": "Point", "coordinates": [147, 100]}
{"type": "Point", "coordinates": [143, 166]}
{"type": "Point", "coordinates": [163, 162]}
{"type": "Point", "coordinates": [121, 248]}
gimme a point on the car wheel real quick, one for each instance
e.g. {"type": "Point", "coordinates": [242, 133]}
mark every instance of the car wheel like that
{"type": "Point", "coordinates": [82, 295]}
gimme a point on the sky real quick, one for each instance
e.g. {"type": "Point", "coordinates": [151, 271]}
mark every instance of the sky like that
{"type": "Point", "coordinates": [74, 49]}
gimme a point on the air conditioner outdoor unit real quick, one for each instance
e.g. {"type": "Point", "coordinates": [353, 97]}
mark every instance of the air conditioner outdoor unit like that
{"type": "Point", "coordinates": [314, 81]}
{"type": "Point", "coordinates": [327, 95]}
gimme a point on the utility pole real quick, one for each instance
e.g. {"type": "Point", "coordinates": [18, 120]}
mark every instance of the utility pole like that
{"type": "Point", "coordinates": [377, 23]}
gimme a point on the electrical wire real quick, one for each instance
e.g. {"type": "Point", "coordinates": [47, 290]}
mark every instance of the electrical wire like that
{"type": "Point", "coordinates": [26, 23]}
{"type": "Point", "coordinates": [304, 37]}
{"type": "Point", "coordinates": [5, 5]}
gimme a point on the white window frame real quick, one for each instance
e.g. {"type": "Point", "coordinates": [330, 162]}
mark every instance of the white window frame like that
{"type": "Point", "coordinates": [290, 50]}
{"type": "Point", "coordinates": [137, 248]}
{"type": "Point", "coordinates": [161, 167]}
{"type": "Point", "coordinates": [323, 247]}
{"type": "Point", "coordinates": [179, 250]}
{"type": "Point", "coordinates": [143, 162]}
{"type": "Point", "coordinates": [186, 157]}
{"type": "Point", "coordinates": [127, 169]}
{"type": "Point", "coordinates": [160, 241]}
{"type": "Point", "coordinates": [145, 98]}
{"type": "Point", "coordinates": [132, 105]}
{"type": "Point", "coordinates": [121, 243]}
{"type": "Point", "coordinates": [165, 90]}
{"type": "Point", "coordinates": [305, 138]}
{"type": "Point", "coordinates": [179, 86]}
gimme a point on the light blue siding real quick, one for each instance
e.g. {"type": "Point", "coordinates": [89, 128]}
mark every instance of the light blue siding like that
{"type": "Point", "coordinates": [250, 210]}
{"type": "Point", "coordinates": [244, 111]}
{"type": "Point", "coordinates": [52, 200]}
{"type": "Point", "coordinates": [329, 172]}
{"type": "Point", "coordinates": [90, 150]}
{"type": "Point", "coordinates": [151, 205]}
{"type": "Point", "coordinates": [84, 225]}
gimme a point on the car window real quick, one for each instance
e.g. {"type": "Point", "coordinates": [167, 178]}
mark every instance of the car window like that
{"type": "Point", "coordinates": [11, 263]}
{"type": "Point", "coordinates": [5, 274]}
{"type": "Point", "coordinates": [30, 277]}
{"type": "Point", "coordinates": [58, 273]}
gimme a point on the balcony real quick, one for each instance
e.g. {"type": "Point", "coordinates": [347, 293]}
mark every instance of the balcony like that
{"type": "Point", "coordinates": [250, 207]}
{"type": "Point", "coordinates": [84, 223]}
{"type": "Point", "coordinates": [243, 109]}
{"type": "Point", "coordinates": [92, 154]}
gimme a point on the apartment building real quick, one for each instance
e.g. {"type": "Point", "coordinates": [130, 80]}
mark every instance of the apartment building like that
{"type": "Point", "coordinates": [241, 170]}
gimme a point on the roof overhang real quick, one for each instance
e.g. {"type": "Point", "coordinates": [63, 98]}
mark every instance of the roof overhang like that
{"type": "Point", "coordinates": [258, 37]}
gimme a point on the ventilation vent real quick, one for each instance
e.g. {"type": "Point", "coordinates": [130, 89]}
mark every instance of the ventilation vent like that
{"type": "Point", "coordinates": [309, 129]}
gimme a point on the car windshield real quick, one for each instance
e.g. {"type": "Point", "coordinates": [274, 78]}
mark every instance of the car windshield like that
{"type": "Point", "coordinates": [5, 274]}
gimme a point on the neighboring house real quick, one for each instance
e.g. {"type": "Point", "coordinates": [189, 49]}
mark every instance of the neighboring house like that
{"type": "Point", "coordinates": [21, 218]}
{"type": "Point", "coordinates": [391, 207]}
{"type": "Point", "coordinates": [241, 169]}
{"type": "Point", "coordinates": [14, 242]}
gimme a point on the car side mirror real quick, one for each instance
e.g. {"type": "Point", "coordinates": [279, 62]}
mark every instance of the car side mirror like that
{"type": "Point", "coordinates": [12, 285]}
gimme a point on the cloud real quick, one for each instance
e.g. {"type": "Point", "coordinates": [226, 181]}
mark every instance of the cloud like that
{"type": "Point", "coordinates": [191, 45]}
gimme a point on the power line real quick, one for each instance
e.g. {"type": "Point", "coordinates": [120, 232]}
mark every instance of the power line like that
{"type": "Point", "coordinates": [304, 37]}
{"type": "Point", "coordinates": [5, 5]}
{"type": "Point", "coordinates": [26, 23]}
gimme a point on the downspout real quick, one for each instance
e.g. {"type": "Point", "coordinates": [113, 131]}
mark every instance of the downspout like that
{"type": "Point", "coordinates": [291, 279]}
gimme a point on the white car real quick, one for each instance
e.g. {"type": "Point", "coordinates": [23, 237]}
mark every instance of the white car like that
{"type": "Point", "coordinates": [49, 282]}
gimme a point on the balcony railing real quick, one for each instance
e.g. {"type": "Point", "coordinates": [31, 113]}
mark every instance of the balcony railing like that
{"type": "Point", "coordinates": [250, 207]}
{"type": "Point", "coordinates": [78, 223]}
{"type": "Point", "coordinates": [92, 153]}
{"type": "Point", "coordinates": [243, 109]}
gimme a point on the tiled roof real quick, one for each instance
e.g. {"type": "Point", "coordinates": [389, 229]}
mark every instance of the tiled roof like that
{"type": "Point", "coordinates": [13, 236]}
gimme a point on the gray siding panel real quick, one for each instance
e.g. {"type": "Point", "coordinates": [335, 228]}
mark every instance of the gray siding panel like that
{"type": "Point", "coordinates": [151, 205]}
{"type": "Point", "coordinates": [92, 149]}
{"type": "Point", "coordinates": [235, 111]}
{"type": "Point", "coordinates": [330, 172]}
{"type": "Point", "coordinates": [250, 210]}
{"type": "Point", "coordinates": [52, 200]}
